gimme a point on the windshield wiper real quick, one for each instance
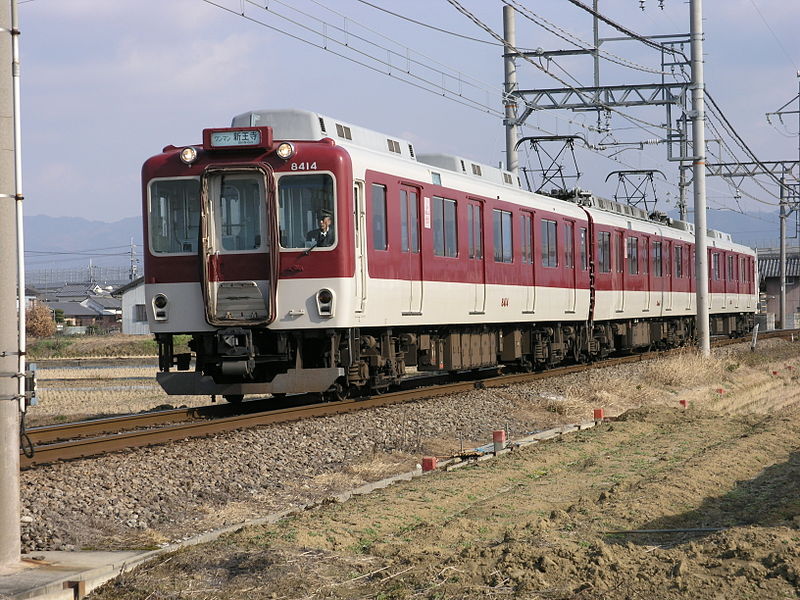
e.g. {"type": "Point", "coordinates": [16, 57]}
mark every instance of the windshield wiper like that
{"type": "Point", "coordinates": [311, 247]}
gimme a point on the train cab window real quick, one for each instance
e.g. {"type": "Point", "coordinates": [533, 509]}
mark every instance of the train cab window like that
{"type": "Point", "coordinates": [657, 262]}
{"type": "Point", "coordinates": [526, 243]}
{"type": "Point", "coordinates": [378, 209]}
{"type": "Point", "coordinates": [304, 203]}
{"type": "Point", "coordinates": [715, 265]}
{"type": "Point", "coordinates": [501, 225]}
{"type": "Point", "coordinates": [238, 208]}
{"type": "Point", "coordinates": [678, 261]}
{"type": "Point", "coordinates": [475, 230]}
{"type": "Point", "coordinates": [409, 221]}
{"type": "Point", "coordinates": [633, 256]}
{"type": "Point", "coordinates": [445, 234]}
{"type": "Point", "coordinates": [174, 216]}
{"type": "Point", "coordinates": [569, 242]}
{"type": "Point", "coordinates": [584, 253]}
{"type": "Point", "coordinates": [549, 243]}
{"type": "Point", "coordinates": [604, 251]}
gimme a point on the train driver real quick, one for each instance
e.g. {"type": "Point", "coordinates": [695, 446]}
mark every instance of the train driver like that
{"type": "Point", "coordinates": [324, 235]}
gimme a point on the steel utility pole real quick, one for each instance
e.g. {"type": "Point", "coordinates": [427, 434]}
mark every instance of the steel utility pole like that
{"type": "Point", "coordinates": [510, 101]}
{"type": "Point", "coordinates": [9, 401]}
{"type": "Point", "coordinates": [784, 213]}
{"type": "Point", "coordinates": [788, 199]}
{"type": "Point", "coordinates": [699, 177]}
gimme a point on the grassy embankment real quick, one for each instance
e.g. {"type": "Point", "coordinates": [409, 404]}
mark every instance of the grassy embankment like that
{"type": "Point", "coordinates": [100, 346]}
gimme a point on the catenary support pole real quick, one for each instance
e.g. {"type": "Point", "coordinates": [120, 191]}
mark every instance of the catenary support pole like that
{"type": "Point", "coordinates": [9, 406]}
{"type": "Point", "coordinates": [699, 177]}
{"type": "Point", "coordinates": [512, 134]}
{"type": "Point", "coordinates": [783, 216]}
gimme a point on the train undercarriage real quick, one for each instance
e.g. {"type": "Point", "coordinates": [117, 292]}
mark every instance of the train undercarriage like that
{"type": "Point", "coordinates": [339, 362]}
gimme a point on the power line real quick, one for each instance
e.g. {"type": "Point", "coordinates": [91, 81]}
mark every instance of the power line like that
{"type": "Point", "coordinates": [576, 41]}
{"type": "Point", "coordinates": [777, 39]}
{"type": "Point", "coordinates": [429, 26]}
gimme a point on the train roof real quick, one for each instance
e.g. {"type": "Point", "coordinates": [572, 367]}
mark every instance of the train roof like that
{"type": "Point", "coordinates": [294, 124]}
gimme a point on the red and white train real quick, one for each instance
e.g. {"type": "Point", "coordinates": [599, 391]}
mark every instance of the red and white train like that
{"type": "Point", "coordinates": [429, 263]}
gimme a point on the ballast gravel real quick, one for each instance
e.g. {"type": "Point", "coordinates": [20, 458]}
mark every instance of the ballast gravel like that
{"type": "Point", "coordinates": [144, 498]}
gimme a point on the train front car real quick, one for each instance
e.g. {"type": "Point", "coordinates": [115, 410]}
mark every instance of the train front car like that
{"type": "Point", "coordinates": [248, 250]}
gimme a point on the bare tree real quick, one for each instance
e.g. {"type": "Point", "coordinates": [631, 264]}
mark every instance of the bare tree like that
{"type": "Point", "coordinates": [39, 320]}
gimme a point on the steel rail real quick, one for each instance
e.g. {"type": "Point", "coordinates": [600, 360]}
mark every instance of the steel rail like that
{"type": "Point", "coordinates": [115, 434]}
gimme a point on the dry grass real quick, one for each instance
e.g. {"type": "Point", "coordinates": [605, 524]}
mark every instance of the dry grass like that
{"type": "Point", "coordinates": [378, 466]}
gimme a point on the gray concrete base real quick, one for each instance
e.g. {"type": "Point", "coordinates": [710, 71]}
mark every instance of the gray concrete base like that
{"type": "Point", "coordinates": [64, 575]}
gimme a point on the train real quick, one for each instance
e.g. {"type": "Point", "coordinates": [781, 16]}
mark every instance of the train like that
{"type": "Point", "coordinates": [301, 253]}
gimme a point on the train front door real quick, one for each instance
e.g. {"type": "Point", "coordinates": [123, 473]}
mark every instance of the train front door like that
{"type": "Point", "coordinates": [239, 264]}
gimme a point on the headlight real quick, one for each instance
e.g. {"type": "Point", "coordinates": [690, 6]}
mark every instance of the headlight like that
{"type": "Point", "coordinates": [325, 302]}
{"type": "Point", "coordinates": [189, 155]}
{"type": "Point", "coordinates": [160, 307]}
{"type": "Point", "coordinates": [285, 151]}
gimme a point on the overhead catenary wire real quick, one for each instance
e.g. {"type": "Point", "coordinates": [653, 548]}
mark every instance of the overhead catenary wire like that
{"type": "Point", "coordinates": [667, 49]}
{"type": "Point", "coordinates": [775, 36]}
{"type": "Point", "coordinates": [576, 41]}
{"type": "Point", "coordinates": [460, 99]}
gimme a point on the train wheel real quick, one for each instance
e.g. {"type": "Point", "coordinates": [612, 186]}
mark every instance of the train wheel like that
{"type": "Point", "coordinates": [339, 392]}
{"type": "Point", "coordinates": [234, 398]}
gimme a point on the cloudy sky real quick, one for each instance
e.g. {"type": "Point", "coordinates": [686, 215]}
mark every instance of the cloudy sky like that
{"type": "Point", "coordinates": [106, 84]}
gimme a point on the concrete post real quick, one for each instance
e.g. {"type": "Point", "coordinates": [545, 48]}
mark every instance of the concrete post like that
{"type": "Point", "coordinates": [9, 403]}
{"type": "Point", "coordinates": [699, 173]}
{"type": "Point", "coordinates": [510, 102]}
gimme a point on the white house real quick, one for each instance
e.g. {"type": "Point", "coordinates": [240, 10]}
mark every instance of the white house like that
{"type": "Point", "coordinates": [134, 315]}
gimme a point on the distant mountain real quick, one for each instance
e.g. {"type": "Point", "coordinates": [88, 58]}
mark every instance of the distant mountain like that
{"type": "Point", "coordinates": [75, 242]}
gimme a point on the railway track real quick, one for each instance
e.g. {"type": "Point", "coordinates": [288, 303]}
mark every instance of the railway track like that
{"type": "Point", "coordinates": [99, 436]}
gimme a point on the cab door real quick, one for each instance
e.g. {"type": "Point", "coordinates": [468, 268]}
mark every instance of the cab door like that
{"type": "Point", "coordinates": [239, 262]}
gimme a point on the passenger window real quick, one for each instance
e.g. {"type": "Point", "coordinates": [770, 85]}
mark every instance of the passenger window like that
{"type": "Point", "coordinates": [475, 227]}
{"type": "Point", "coordinates": [604, 251]}
{"type": "Point", "coordinates": [378, 208]}
{"type": "Point", "coordinates": [445, 235]}
{"type": "Point", "coordinates": [569, 241]}
{"type": "Point", "coordinates": [549, 243]}
{"type": "Point", "coordinates": [409, 221]}
{"type": "Point", "coordinates": [527, 239]}
{"type": "Point", "coordinates": [503, 248]}
{"type": "Point", "coordinates": [633, 256]}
